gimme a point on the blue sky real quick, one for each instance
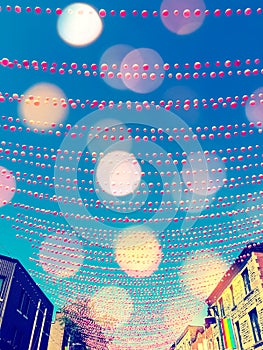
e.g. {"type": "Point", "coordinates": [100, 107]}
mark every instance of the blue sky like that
{"type": "Point", "coordinates": [225, 225]}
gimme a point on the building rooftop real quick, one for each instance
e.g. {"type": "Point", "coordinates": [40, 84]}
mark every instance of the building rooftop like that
{"type": "Point", "coordinates": [234, 269]}
{"type": "Point", "coordinates": [30, 279]}
{"type": "Point", "coordinates": [193, 332]}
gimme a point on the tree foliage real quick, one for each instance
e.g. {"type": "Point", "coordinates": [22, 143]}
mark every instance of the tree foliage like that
{"type": "Point", "coordinates": [81, 328]}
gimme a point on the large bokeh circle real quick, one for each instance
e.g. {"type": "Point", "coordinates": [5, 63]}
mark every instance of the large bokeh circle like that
{"type": "Point", "coordinates": [79, 24]}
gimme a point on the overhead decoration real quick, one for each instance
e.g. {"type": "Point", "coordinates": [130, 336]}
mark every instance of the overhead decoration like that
{"type": "Point", "coordinates": [110, 307]}
{"type": "Point", "coordinates": [209, 270]}
{"type": "Point", "coordinates": [179, 10]}
{"type": "Point", "coordinates": [128, 66]}
{"type": "Point", "coordinates": [60, 256]}
{"type": "Point", "coordinates": [130, 158]}
{"type": "Point", "coordinates": [254, 107]}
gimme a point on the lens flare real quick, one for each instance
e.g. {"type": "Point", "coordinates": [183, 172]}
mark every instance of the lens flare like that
{"type": "Point", "coordinates": [142, 70]}
{"type": "Point", "coordinates": [111, 59]}
{"type": "Point", "coordinates": [254, 107]}
{"type": "Point", "coordinates": [7, 186]}
{"type": "Point", "coordinates": [138, 252]}
{"type": "Point", "coordinates": [79, 24]}
{"type": "Point", "coordinates": [42, 106]}
{"type": "Point", "coordinates": [182, 18]}
{"type": "Point", "coordinates": [118, 173]}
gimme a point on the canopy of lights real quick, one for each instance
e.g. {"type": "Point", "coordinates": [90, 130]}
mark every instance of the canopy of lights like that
{"type": "Point", "coordinates": [130, 157]}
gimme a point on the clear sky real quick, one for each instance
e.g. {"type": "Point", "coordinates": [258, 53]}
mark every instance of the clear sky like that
{"type": "Point", "coordinates": [84, 233]}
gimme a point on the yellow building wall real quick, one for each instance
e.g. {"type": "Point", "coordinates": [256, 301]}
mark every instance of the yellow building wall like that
{"type": "Point", "coordinates": [244, 304]}
{"type": "Point", "coordinates": [56, 335]}
{"type": "Point", "coordinates": [184, 343]}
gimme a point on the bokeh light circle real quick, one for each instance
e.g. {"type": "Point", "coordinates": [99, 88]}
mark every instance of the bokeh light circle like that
{"type": "Point", "coordinates": [118, 173]}
{"type": "Point", "coordinates": [254, 107]}
{"type": "Point", "coordinates": [79, 24]}
{"type": "Point", "coordinates": [7, 186]}
{"type": "Point", "coordinates": [113, 58]}
{"type": "Point", "coordinates": [138, 252]}
{"type": "Point", "coordinates": [141, 70]}
{"type": "Point", "coordinates": [42, 106]}
{"type": "Point", "coordinates": [136, 199]}
{"type": "Point", "coordinates": [177, 21]}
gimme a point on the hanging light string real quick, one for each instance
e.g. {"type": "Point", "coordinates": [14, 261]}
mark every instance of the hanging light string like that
{"type": "Point", "coordinates": [98, 277]}
{"type": "Point", "coordinates": [104, 67]}
{"type": "Point", "coordinates": [65, 232]}
{"type": "Point", "coordinates": [200, 132]}
{"type": "Point", "coordinates": [224, 68]}
{"type": "Point", "coordinates": [253, 100]}
{"type": "Point", "coordinates": [255, 197]}
{"type": "Point", "coordinates": [227, 155]}
{"type": "Point", "coordinates": [188, 240]}
{"type": "Point", "coordinates": [187, 13]}
{"type": "Point", "coordinates": [160, 205]}
{"type": "Point", "coordinates": [251, 198]}
{"type": "Point", "coordinates": [254, 179]}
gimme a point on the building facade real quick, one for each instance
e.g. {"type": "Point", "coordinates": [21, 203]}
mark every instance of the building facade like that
{"type": "Point", "coordinates": [57, 334]}
{"type": "Point", "coordinates": [65, 335]}
{"type": "Point", "coordinates": [195, 338]}
{"type": "Point", "coordinates": [25, 311]}
{"type": "Point", "coordinates": [203, 340]}
{"type": "Point", "coordinates": [186, 339]}
{"type": "Point", "coordinates": [237, 303]}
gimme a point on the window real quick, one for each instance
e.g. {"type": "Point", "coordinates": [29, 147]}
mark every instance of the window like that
{"type": "Point", "coordinates": [253, 315]}
{"type": "Point", "coordinates": [232, 296]}
{"type": "Point", "coordinates": [246, 281]}
{"type": "Point", "coordinates": [239, 335]}
{"type": "Point", "coordinates": [2, 280]}
{"type": "Point", "coordinates": [21, 300]}
{"type": "Point", "coordinates": [24, 303]}
{"type": "Point", "coordinates": [221, 306]}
